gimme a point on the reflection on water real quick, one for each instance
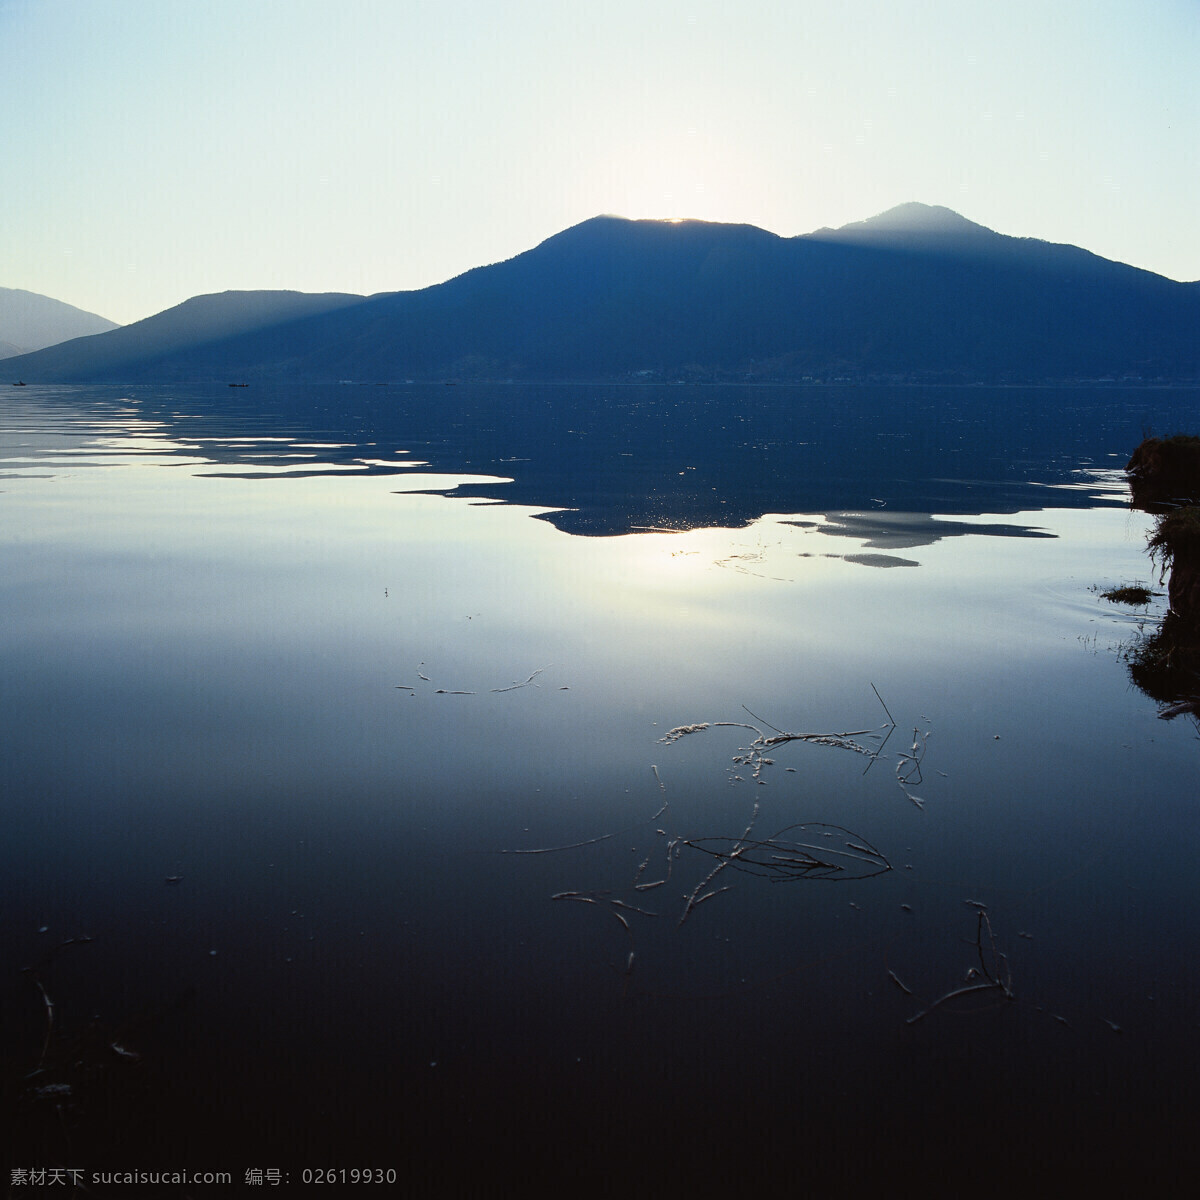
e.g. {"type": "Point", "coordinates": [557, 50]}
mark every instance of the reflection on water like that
{"type": "Point", "coordinates": [364, 810]}
{"type": "Point", "coordinates": [608, 460]}
{"type": "Point", "coordinates": [898, 530]}
{"type": "Point", "coordinates": [1165, 664]}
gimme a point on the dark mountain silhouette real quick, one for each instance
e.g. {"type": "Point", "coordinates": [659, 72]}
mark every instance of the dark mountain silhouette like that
{"type": "Point", "coordinates": [179, 342]}
{"type": "Point", "coordinates": [29, 321]}
{"type": "Point", "coordinates": [916, 293]}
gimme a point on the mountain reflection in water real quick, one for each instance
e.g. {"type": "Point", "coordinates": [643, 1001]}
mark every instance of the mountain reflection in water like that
{"type": "Point", "coordinates": [608, 460]}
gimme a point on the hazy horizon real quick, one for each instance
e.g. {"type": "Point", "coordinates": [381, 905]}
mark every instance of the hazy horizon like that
{"type": "Point", "coordinates": [158, 152]}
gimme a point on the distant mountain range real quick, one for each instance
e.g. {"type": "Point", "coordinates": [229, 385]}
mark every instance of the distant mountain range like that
{"type": "Point", "coordinates": [188, 341]}
{"type": "Point", "coordinates": [30, 322]}
{"type": "Point", "coordinates": [917, 293]}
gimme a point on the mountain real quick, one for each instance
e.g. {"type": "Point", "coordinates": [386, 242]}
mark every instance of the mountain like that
{"type": "Point", "coordinates": [29, 322]}
{"type": "Point", "coordinates": [178, 342]}
{"type": "Point", "coordinates": [912, 226]}
{"type": "Point", "coordinates": [918, 292]}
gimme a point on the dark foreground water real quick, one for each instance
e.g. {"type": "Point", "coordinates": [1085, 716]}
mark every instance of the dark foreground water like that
{"type": "Point", "coordinates": [340, 830]}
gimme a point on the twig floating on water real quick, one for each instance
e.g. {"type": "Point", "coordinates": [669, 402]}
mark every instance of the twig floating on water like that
{"type": "Point", "coordinates": [49, 1006]}
{"type": "Point", "coordinates": [996, 974]}
{"type": "Point", "coordinates": [707, 896]}
{"type": "Point", "coordinates": [556, 849]}
{"type": "Point", "coordinates": [673, 735]}
{"type": "Point", "coordinates": [753, 755]}
{"type": "Point", "coordinates": [758, 718]}
{"type": "Point", "coordinates": [695, 898]}
{"type": "Point", "coordinates": [662, 787]}
{"type": "Point", "coordinates": [778, 859]}
{"type": "Point", "coordinates": [885, 707]}
{"type": "Point", "coordinates": [525, 683]}
{"type": "Point", "coordinates": [601, 899]}
{"type": "Point", "coordinates": [908, 766]}
{"type": "Point", "coordinates": [645, 887]}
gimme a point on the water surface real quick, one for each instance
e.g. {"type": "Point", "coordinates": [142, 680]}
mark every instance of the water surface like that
{"type": "Point", "coordinates": [337, 662]}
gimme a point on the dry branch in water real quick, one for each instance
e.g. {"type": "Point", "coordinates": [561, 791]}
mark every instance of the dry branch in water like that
{"type": "Point", "coordinates": [524, 683]}
{"type": "Point", "coordinates": [48, 1004]}
{"type": "Point", "coordinates": [908, 767]}
{"type": "Point", "coordinates": [777, 859]}
{"type": "Point", "coordinates": [754, 756]}
{"type": "Point", "coordinates": [993, 976]}
{"type": "Point", "coordinates": [604, 900]}
{"type": "Point", "coordinates": [679, 731]}
{"type": "Point", "coordinates": [807, 850]}
{"type": "Point", "coordinates": [695, 898]}
{"type": "Point", "coordinates": [555, 849]}
{"type": "Point", "coordinates": [529, 682]}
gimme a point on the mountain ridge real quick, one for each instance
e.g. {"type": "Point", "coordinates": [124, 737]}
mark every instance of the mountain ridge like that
{"type": "Point", "coordinates": [917, 292]}
{"type": "Point", "coordinates": [30, 321]}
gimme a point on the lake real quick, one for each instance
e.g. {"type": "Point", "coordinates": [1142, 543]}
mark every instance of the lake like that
{"type": "Point", "coordinates": [395, 778]}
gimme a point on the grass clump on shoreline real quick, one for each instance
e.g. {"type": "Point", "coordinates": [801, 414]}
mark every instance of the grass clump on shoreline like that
{"type": "Point", "coordinates": [1165, 471]}
{"type": "Point", "coordinates": [1130, 594]}
{"type": "Point", "coordinates": [1176, 537]}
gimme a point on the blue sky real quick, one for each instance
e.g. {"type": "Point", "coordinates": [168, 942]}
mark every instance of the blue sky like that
{"type": "Point", "coordinates": [153, 150]}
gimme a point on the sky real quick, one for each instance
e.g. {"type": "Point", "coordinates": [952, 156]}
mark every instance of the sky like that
{"type": "Point", "coordinates": [153, 150]}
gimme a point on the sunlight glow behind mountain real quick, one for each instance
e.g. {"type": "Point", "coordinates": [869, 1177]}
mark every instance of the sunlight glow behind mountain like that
{"type": "Point", "coordinates": [161, 151]}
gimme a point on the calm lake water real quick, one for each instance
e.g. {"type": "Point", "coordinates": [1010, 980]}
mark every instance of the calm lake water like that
{"type": "Point", "coordinates": [334, 752]}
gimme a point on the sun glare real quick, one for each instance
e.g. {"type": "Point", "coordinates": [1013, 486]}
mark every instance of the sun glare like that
{"type": "Point", "coordinates": [675, 178]}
